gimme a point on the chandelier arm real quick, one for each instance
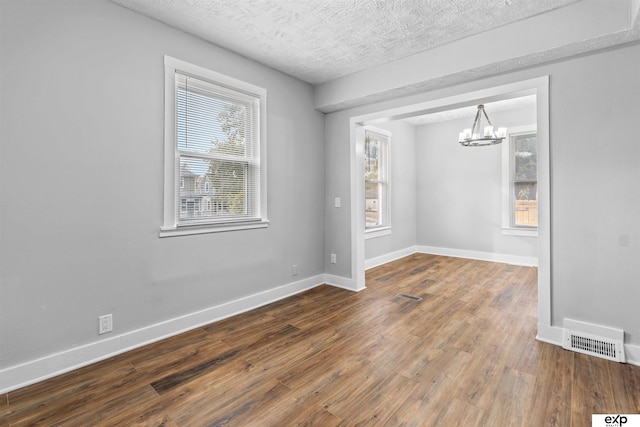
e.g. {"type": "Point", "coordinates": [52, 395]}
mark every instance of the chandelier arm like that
{"type": "Point", "coordinates": [475, 123]}
{"type": "Point", "coordinates": [487, 117]}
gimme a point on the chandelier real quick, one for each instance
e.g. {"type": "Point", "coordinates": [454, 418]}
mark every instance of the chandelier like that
{"type": "Point", "coordinates": [474, 137]}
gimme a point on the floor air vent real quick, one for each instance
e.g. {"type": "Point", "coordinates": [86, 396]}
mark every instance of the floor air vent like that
{"type": "Point", "coordinates": [411, 297]}
{"type": "Point", "coordinates": [595, 340]}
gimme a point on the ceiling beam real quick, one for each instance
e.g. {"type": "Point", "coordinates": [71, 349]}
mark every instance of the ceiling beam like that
{"type": "Point", "coordinates": [581, 27]}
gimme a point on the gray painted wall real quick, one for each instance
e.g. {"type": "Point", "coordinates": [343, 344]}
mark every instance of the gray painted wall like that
{"type": "Point", "coordinates": [402, 173]}
{"type": "Point", "coordinates": [337, 177]}
{"type": "Point", "coordinates": [81, 180]}
{"type": "Point", "coordinates": [595, 190]}
{"type": "Point", "coordinates": [595, 182]}
{"type": "Point", "coordinates": [459, 189]}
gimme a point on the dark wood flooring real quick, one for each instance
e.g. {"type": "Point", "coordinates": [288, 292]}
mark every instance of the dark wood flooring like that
{"type": "Point", "coordinates": [464, 355]}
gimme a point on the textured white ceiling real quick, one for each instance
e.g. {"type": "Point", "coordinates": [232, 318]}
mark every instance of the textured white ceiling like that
{"type": "Point", "coordinates": [320, 40]}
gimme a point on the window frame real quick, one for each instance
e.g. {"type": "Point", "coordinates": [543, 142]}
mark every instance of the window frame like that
{"type": "Point", "coordinates": [171, 225]}
{"type": "Point", "coordinates": [384, 171]}
{"type": "Point", "coordinates": [508, 167]}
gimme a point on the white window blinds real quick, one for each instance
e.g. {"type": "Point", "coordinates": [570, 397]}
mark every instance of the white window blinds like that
{"type": "Point", "coordinates": [217, 153]}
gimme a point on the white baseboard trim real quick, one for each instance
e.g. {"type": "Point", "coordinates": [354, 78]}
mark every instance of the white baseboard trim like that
{"type": "Point", "coordinates": [632, 354]}
{"type": "Point", "coordinates": [481, 256]}
{"type": "Point", "coordinates": [392, 256]}
{"type": "Point", "coordinates": [549, 334]}
{"type": "Point", "coordinates": [553, 335]}
{"type": "Point", "coordinates": [342, 282]}
{"type": "Point", "coordinates": [24, 374]}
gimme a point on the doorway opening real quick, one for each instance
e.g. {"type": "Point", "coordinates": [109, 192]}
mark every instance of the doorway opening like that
{"type": "Point", "coordinates": [538, 87]}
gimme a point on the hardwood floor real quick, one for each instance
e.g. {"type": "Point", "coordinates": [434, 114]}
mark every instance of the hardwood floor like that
{"type": "Point", "coordinates": [465, 354]}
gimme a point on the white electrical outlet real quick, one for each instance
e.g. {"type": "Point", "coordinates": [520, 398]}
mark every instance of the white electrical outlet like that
{"type": "Point", "coordinates": [105, 324]}
{"type": "Point", "coordinates": [333, 259]}
{"type": "Point", "coordinates": [294, 270]}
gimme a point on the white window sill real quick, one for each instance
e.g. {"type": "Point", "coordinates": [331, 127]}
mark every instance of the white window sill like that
{"type": "Point", "coordinates": [526, 232]}
{"type": "Point", "coordinates": [377, 232]}
{"type": "Point", "coordinates": [211, 228]}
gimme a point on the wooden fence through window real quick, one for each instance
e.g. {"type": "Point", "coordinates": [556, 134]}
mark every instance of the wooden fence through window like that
{"type": "Point", "coordinates": [526, 212]}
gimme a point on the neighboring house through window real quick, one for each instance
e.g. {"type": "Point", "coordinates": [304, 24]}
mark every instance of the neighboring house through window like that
{"type": "Point", "coordinates": [520, 182]}
{"type": "Point", "coordinates": [376, 179]}
{"type": "Point", "coordinates": [215, 143]}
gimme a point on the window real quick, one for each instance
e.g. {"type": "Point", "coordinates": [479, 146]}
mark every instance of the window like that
{"type": "Point", "coordinates": [376, 181]}
{"type": "Point", "coordinates": [525, 181]}
{"type": "Point", "coordinates": [520, 176]}
{"type": "Point", "coordinates": [215, 139]}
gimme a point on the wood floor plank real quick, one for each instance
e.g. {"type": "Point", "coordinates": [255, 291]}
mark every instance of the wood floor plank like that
{"type": "Point", "coordinates": [378, 402]}
{"type": "Point", "coordinates": [311, 373]}
{"type": "Point", "coordinates": [309, 416]}
{"type": "Point", "coordinates": [342, 400]}
{"type": "Point", "coordinates": [483, 380]}
{"type": "Point", "coordinates": [188, 357]}
{"type": "Point", "coordinates": [424, 404]}
{"type": "Point", "coordinates": [592, 387]}
{"type": "Point", "coordinates": [465, 354]}
{"type": "Point", "coordinates": [513, 394]}
{"type": "Point", "coordinates": [4, 410]}
{"type": "Point", "coordinates": [170, 347]}
{"type": "Point", "coordinates": [552, 395]}
{"type": "Point", "coordinates": [333, 383]}
{"type": "Point", "coordinates": [52, 401]}
{"type": "Point", "coordinates": [293, 412]}
{"type": "Point", "coordinates": [137, 407]}
{"type": "Point", "coordinates": [211, 390]}
{"type": "Point", "coordinates": [459, 413]}
{"type": "Point", "coordinates": [258, 335]}
{"type": "Point", "coordinates": [625, 384]}
{"type": "Point", "coordinates": [175, 379]}
{"type": "Point", "coordinates": [239, 412]}
{"type": "Point", "coordinates": [522, 338]}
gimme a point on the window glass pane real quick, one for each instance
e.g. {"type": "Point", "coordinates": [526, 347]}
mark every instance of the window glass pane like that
{"type": "Point", "coordinates": [525, 182]}
{"type": "Point", "coordinates": [372, 203]}
{"type": "Point", "coordinates": [525, 158]}
{"type": "Point", "coordinates": [371, 159]}
{"type": "Point", "coordinates": [213, 189]}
